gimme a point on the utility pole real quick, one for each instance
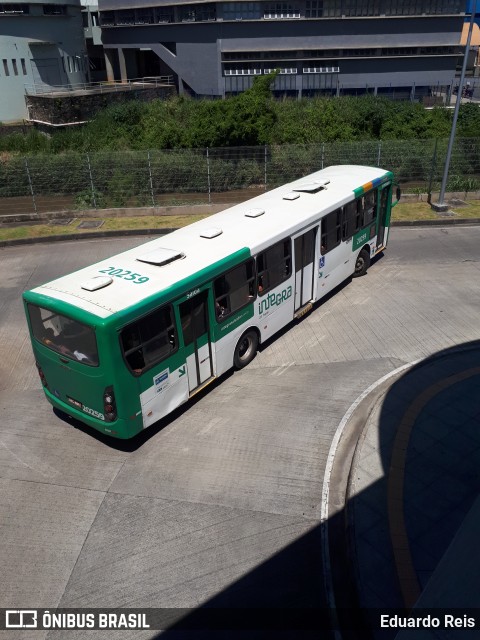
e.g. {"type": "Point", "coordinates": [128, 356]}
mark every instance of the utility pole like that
{"type": "Point", "coordinates": [440, 205]}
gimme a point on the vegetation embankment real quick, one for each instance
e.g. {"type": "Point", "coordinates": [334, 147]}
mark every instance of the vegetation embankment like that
{"type": "Point", "coordinates": [402, 212]}
{"type": "Point", "coordinates": [135, 154]}
{"type": "Point", "coordinates": [249, 119]}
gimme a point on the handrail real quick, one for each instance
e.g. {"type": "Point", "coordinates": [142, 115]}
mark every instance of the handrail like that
{"type": "Point", "coordinates": [41, 89]}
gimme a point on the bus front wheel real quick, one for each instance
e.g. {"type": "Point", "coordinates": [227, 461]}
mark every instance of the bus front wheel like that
{"type": "Point", "coordinates": [246, 349]}
{"type": "Point", "coordinates": [362, 263]}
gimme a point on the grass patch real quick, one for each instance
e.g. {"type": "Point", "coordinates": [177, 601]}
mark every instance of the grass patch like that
{"type": "Point", "coordinates": [110, 224]}
{"type": "Point", "coordinates": [402, 212]}
{"type": "Point", "coordinates": [423, 211]}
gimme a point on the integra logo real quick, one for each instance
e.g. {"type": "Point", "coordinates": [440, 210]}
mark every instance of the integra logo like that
{"type": "Point", "coordinates": [274, 299]}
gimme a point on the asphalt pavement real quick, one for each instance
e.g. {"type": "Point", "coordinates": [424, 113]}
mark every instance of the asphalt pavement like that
{"type": "Point", "coordinates": [227, 503]}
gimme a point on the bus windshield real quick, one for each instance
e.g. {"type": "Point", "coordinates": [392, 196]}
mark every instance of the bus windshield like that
{"type": "Point", "coordinates": [64, 335]}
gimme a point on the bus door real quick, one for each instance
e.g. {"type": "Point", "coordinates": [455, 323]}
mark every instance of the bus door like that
{"type": "Point", "coordinates": [196, 338]}
{"type": "Point", "coordinates": [383, 208]}
{"type": "Point", "coordinates": [304, 268]}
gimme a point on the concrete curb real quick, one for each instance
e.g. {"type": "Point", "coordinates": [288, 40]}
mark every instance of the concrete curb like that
{"type": "Point", "coordinates": [436, 223]}
{"type": "Point", "coordinates": [146, 232]}
{"type": "Point", "coordinates": [86, 236]}
{"type": "Point", "coordinates": [345, 436]}
{"type": "Point", "coordinates": [369, 397]}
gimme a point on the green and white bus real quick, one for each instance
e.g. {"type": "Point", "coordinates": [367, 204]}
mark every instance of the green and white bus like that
{"type": "Point", "coordinates": [122, 343]}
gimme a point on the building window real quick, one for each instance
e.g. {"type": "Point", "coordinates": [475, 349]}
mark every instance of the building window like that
{"type": "Point", "coordinates": [5, 67]}
{"type": "Point", "coordinates": [242, 11]}
{"type": "Point", "coordinates": [14, 8]}
{"type": "Point", "coordinates": [145, 16]}
{"type": "Point", "coordinates": [55, 9]}
{"type": "Point", "coordinates": [244, 55]}
{"type": "Point", "coordinates": [126, 16]}
{"type": "Point", "coordinates": [14, 66]}
{"type": "Point", "coordinates": [198, 12]}
{"type": "Point", "coordinates": [107, 18]}
{"type": "Point", "coordinates": [323, 9]}
{"type": "Point", "coordinates": [321, 69]}
{"type": "Point", "coordinates": [24, 68]}
{"type": "Point", "coordinates": [282, 70]}
{"type": "Point", "coordinates": [240, 70]}
{"type": "Point", "coordinates": [363, 8]}
{"type": "Point", "coordinates": [278, 10]}
{"type": "Point", "coordinates": [321, 53]}
{"type": "Point", "coordinates": [416, 7]}
{"type": "Point", "coordinates": [314, 9]}
{"type": "Point", "coordinates": [164, 14]}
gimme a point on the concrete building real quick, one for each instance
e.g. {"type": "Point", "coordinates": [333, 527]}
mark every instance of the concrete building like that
{"type": "Point", "coordinates": [401, 48]}
{"type": "Point", "coordinates": [42, 46]}
{"type": "Point", "coordinates": [93, 41]}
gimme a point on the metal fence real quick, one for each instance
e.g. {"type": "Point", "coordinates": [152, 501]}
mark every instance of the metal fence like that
{"type": "Point", "coordinates": [83, 181]}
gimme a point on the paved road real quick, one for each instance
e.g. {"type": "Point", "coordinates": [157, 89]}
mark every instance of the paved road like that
{"type": "Point", "coordinates": [221, 505]}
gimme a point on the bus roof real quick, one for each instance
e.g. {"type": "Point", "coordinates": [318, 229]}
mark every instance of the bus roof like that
{"type": "Point", "coordinates": [160, 264]}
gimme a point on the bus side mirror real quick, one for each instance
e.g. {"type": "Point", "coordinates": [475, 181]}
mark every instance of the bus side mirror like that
{"type": "Point", "coordinates": [398, 194]}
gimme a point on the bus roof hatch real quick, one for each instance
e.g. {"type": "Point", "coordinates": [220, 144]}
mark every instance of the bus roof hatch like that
{"type": "Point", "coordinates": [312, 187]}
{"type": "Point", "coordinates": [161, 256]}
{"type": "Point", "coordinates": [97, 282]}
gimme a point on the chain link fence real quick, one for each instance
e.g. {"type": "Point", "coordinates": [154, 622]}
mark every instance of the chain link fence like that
{"type": "Point", "coordinates": [75, 182]}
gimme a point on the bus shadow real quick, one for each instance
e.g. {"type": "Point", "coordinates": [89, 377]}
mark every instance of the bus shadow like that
{"type": "Point", "coordinates": [133, 444]}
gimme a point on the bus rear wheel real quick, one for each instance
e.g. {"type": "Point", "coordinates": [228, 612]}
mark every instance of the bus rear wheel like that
{"type": "Point", "coordinates": [246, 349]}
{"type": "Point", "coordinates": [362, 263]}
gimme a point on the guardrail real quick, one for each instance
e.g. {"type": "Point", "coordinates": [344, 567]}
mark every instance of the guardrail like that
{"type": "Point", "coordinates": [40, 89]}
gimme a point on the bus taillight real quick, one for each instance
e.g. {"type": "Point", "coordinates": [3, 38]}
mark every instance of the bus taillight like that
{"type": "Point", "coordinates": [42, 376]}
{"type": "Point", "coordinates": [109, 406]}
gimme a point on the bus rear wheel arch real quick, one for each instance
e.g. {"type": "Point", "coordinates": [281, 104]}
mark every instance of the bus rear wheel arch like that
{"type": "Point", "coordinates": [246, 349]}
{"type": "Point", "coordinates": [362, 263]}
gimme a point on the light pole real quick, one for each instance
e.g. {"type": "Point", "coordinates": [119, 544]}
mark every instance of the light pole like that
{"type": "Point", "coordinates": [440, 205]}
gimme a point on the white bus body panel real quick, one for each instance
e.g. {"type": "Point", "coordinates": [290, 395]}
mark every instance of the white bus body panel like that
{"type": "Point", "coordinates": [168, 391]}
{"type": "Point", "coordinates": [275, 309]}
{"type": "Point", "coordinates": [337, 265]}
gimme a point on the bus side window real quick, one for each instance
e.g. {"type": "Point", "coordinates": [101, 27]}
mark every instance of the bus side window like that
{"type": "Point", "coordinates": [352, 218]}
{"type": "Point", "coordinates": [370, 208]}
{"type": "Point", "coordinates": [274, 266]}
{"type": "Point", "coordinates": [234, 289]}
{"type": "Point", "coordinates": [149, 340]}
{"type": "Point", "coordinates": [331, 231]}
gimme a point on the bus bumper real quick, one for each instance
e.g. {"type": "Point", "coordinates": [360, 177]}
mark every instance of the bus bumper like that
{"type": "Point", "coordinates": [119, 428]}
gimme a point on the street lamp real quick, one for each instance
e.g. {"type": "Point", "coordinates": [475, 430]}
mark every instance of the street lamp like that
{"type": "Point", "coordinates": [440, 205]}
